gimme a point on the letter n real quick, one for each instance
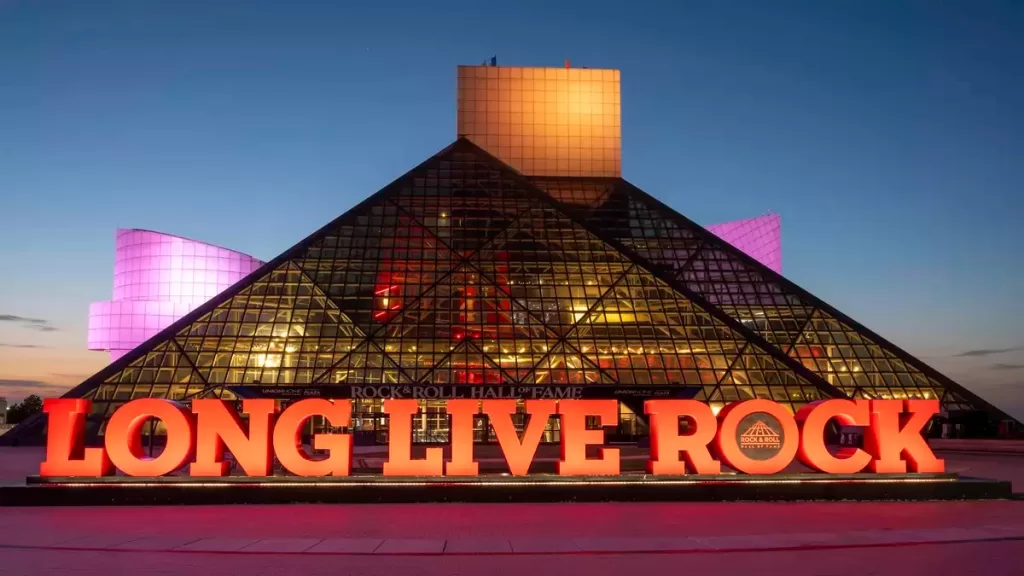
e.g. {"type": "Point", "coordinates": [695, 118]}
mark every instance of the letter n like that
{"type": "Point", "coordinates": [218, 425]}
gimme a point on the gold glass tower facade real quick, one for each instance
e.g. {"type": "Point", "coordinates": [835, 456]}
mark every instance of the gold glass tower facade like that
{"type": "Point", "coordinates": [544, 121]}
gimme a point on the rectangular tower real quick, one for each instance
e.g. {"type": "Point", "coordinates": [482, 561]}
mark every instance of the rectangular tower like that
{"type": "Point", "coordinates": [544, 121]}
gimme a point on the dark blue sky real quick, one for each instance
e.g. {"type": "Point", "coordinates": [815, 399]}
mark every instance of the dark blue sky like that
{"type": "Point", "coordinates": [889, 135]}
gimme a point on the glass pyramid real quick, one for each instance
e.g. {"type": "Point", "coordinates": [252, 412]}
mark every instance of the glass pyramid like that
{"type": "Point", "coordinates": [843, 353]}
{"type": "Point", "coordinates": [465, 272]}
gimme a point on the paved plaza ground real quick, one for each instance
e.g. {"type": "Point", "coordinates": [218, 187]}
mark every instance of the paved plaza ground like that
{"type": "Point", "coordinates": [534, 539]}
{"type": "Point", "coordinates": [961, 559]}
{"type": "Point", "coordinates": [985, 537]}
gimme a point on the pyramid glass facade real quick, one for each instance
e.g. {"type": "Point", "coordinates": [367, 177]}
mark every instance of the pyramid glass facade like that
{"type": "Point", "coordinates": [468, 272]}
{"type": "Point", "coordinates": [463, 272]}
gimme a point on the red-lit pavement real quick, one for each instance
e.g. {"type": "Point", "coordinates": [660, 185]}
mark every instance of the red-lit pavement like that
{"type": "Point", "coordinates": [981, 558]}
{"type": "Point", "coordinates": [985, 537]}
{"type": "Point", "coordinates": [50, 526]}
{"type": "Point", "coordinates": [512, 538]}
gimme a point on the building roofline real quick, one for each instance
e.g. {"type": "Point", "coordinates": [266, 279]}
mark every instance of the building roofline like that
{"type": "Point", "coordinates": [187, 239]}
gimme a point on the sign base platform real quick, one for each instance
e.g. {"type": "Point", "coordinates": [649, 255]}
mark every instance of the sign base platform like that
{"type": "Point", "coordinates": [182, 490]}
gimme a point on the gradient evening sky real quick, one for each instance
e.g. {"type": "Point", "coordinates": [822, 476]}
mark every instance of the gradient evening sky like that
{"type": "Point", "coordinates": [889, 135]}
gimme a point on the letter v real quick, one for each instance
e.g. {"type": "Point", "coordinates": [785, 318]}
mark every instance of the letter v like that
{"type": "Point", "coordinates": [518, 453]}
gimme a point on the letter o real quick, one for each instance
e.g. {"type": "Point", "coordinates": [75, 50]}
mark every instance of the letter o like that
{"type": "Point", "coordinates": [123, 437]}
{"type": "Point", "coordinates": [759, 435]}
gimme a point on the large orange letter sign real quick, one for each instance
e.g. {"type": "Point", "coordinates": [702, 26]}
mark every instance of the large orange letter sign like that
{"type": "Point", "coordinates": [576, 437]}
{"type": "Point", "coordinates": [894, 438]}
{"type": "Point", "coordinates": [66, 454]}
{"type": "Point", "coordinates": [124, 439]}
{"type": "Point", "coordinates": [813, 418]}
{"type": "Point", "coordinates": [219, 425]}
{"type": "Point", "coordinates": [461, 425]}
{"type": "Point", "coordinates": [400, 462]}
{"type": "Point", "coordinates": [667, 444]}
{"type": "Point", "coordinates": [288, 438]}
{"type": "Point", "coordinates": [518, 453]}
{"type": "Point", "coordinates": [756, 437]}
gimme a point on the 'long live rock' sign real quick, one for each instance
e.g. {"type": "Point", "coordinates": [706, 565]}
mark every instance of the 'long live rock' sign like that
{"type": "Point", "coordinates": [750, 436]}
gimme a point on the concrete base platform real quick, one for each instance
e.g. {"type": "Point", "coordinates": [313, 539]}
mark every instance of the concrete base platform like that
{"type": "Point", "coordinates": [541, 488]}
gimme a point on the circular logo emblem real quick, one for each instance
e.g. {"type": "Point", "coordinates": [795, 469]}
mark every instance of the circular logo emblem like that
{"type": "Point", "coordinates": [760, 436]}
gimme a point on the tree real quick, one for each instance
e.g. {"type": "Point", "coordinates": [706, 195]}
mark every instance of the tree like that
{"type": "Point", "coordinates": [30, 405]}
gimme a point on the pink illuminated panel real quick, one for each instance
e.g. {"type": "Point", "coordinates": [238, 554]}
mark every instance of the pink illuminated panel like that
{"type": "Point", "coordinates": [159, 278]}
{"type": "Point", "coordinates": [154, 266]}
{"type": "Point", "coordinates": [759, 237]}
{"type": "Point", "coordinates": [119, 326]}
